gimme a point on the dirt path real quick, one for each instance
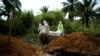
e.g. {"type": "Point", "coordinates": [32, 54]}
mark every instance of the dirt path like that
{"type": "Point", "coordinates": [40, 52]}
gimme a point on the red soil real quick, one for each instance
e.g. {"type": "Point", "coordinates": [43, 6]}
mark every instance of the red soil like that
{"type": "Point", "coordinates": [16, 48]}
{"type": "Point", "coordinates": [77, 42]}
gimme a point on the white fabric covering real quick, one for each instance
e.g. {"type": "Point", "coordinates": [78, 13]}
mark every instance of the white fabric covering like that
{"type": "Point", "coordinates": [45, 30]}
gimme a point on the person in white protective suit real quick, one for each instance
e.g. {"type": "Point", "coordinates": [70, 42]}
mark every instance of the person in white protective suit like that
{"type": "Point", "coordinates": [45, 28]}
{"type": "Point", "coordinates": [40, 28]}
{"type": "Point", "coordinates": [60, 28]}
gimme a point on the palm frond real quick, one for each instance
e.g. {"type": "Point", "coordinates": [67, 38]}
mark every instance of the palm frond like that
{"type": "Point", "coordinates": [65, 3]}
{"type": "Point", "coordinates": [93, 4]}
{"type": "Point", "coordinates": [44, 9]}
{"type": "Point", "coordinates": [70, 1]}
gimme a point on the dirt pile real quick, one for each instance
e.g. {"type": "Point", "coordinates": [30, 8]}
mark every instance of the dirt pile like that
{"type": "Point", "coordinates": [77, 42]}
{"type": "Point", "coordinates": [41, 52]}
{"type": "Point", "coordinates": [16, 48]}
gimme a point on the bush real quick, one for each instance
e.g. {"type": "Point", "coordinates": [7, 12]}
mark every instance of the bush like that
{"type": "Point", "coordinates": [3, 27]}
{"type": "Point", "coordinates": [52, 17]}
{"type": "Point", "coordinates": [22, 22]}
{"type": "Point", "coordinates": [31, 38]}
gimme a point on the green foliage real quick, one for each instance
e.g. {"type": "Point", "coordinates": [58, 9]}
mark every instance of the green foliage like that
{"type": "Point", "coordinates": [94, 29]}
{"type": "Point", "coordinates": [10, 6]}
{"type": "Point", "coordinates": [69, 26]}
{"type": "Point", "coordinates": [30, 36]}
{"type": "Point", "coordinates": [75, 26]}
{"type": "Point", "coordinates": [27, 18]}
{"type": "Point", "coordinates": [87, 10]}
{"type": "Point", "coordinates": [3, 27]}
{"type": "Point", "coordinates": [18, 28]}
{"type": "Point", "coordinates": [53, 27]}
{"type": "Point", "coordinates": [21, 21]}
{"type": "Point", "coordinates": [69, 6]}
{"type": "Point", "coordinates": [52, 17]}
{"type": "Point", "coordinates": [44, 9]}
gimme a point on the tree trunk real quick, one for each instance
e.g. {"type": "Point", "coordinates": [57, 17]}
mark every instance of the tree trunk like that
{"type": "Point", "coordinates": [86, 21]}
{"type": "Point", "coordinates": [10, 29]}
{"type": "Point", "coordinates": [83, 21]}
{"type": "Point", "coordinates": [70, 17]}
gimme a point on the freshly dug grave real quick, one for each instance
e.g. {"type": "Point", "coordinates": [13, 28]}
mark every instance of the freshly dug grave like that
{"type": "Point", "coordinates": [76, 44]}
{"type": "Point", "coordinates": [15, 48]}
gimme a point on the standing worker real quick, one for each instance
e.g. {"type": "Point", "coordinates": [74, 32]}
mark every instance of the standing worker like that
{"type": "Point", "coordinates": [46, 27]}
{"type": "Point", "coordinates": [60, 27]}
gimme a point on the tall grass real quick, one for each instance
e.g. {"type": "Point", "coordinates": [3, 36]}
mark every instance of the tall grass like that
{"type": "Point", "coordinates": [75, 26]}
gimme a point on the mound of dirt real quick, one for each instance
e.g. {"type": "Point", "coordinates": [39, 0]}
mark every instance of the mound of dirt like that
{"type": "Point", "coordinates": [16, 48]}
{"type": "Point", "coordinates": [77, 42]}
